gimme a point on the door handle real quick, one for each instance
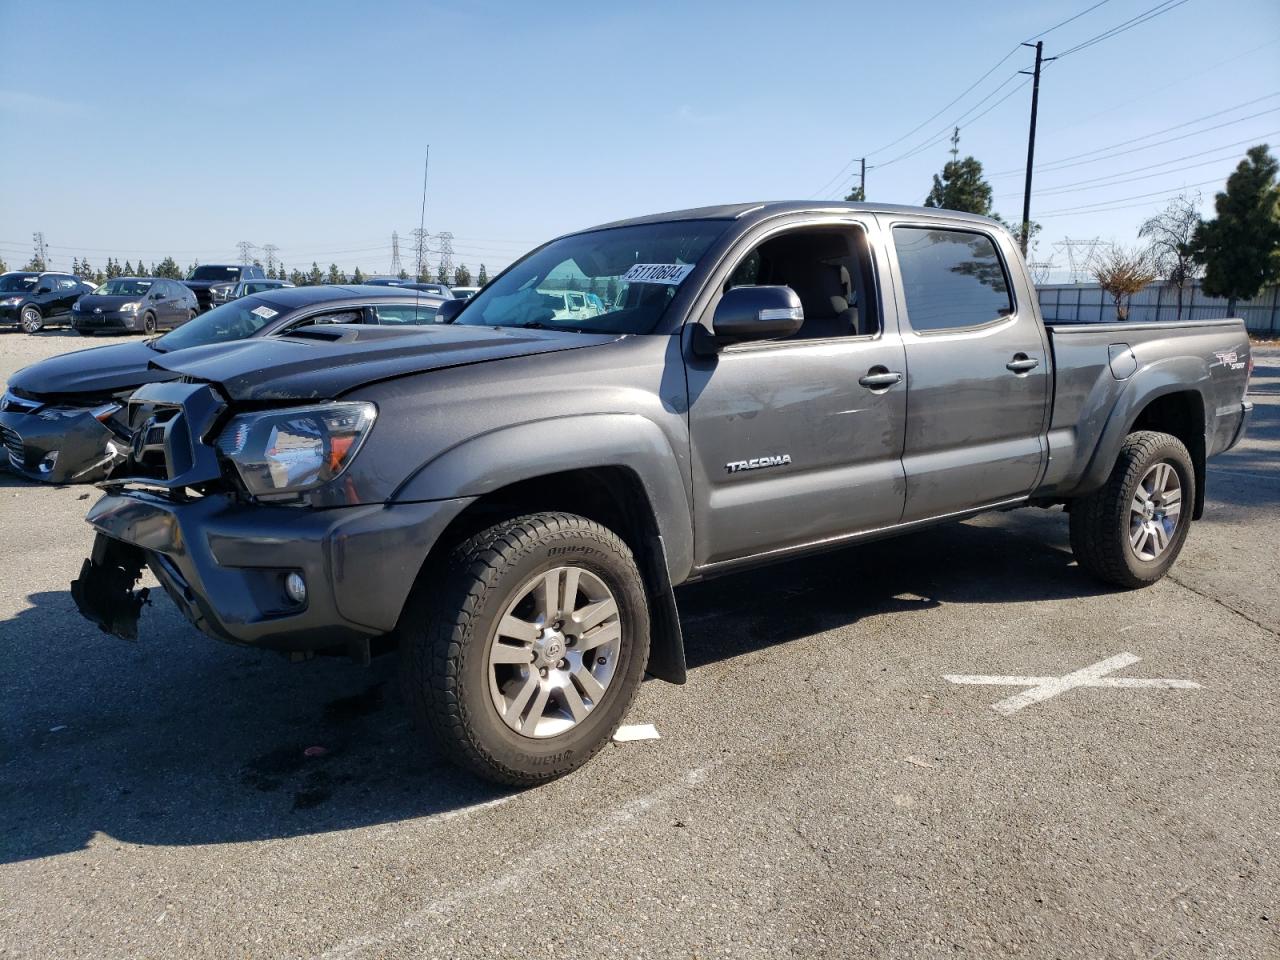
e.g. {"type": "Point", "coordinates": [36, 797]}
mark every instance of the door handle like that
{"type": "Point", "coordinates": [1021, 363]}
{"type": "Point", "coordinates": [880, 378]}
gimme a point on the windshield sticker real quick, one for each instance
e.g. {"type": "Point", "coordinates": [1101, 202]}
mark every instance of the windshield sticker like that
{"type": "Point", "coordinates": [668, 273]}
{"type": "Point", "coordinates": [266, 313]}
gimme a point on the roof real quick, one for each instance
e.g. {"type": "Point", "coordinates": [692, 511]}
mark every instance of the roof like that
{"type": "Point", "coordinates": [291, 298]}
{"type": "Point", "coordinates": [764, 210]}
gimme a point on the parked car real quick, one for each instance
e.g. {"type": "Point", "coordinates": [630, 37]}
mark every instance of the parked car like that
{"type": "Point", "coordinates": [220, 293]}
{"type": "Point", "coordinates": [62, 420]}
{"type": "Point", "coordinates": [570, 304]}
{"type": "Point", "coordinates": [439, 289]}
{"type": "Point", "coordinates": [35, 300]}
{"type": "Point", "coordinates": [464, 293]}
{"type": "Point", "coordinates": [509, 497]}
{"type": "Point", "coordinates": [137, 304]}
{"type": "Point", "coordinates": [205, 280]}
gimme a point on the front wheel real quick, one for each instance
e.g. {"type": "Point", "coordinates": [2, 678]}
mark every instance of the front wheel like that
{"type": "Point", "coordinates": [1131, 530]}
{"type": "Point", "coordinates": [149, 324]}
{"type": "Point", "coordinates": [32, 320]}
{"type": "Point", "coordinates": [524, 649]}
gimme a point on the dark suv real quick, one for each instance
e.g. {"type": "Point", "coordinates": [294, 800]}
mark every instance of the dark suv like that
{"type": "Point", "coordinates": [212, 282]}
{"type": "Point", "coordinates": [33, 300]}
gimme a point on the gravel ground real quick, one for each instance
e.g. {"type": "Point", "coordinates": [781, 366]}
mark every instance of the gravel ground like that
{"type": "Point", "coordinates": [820, 790]}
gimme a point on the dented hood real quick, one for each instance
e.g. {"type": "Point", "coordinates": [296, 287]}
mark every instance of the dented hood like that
{"type": "Point", "coordinates": [323, 362]}
{"type": "Point", "coordinates": [97, 371]}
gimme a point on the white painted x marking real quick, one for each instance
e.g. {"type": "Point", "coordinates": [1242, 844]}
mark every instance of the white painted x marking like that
{"type": "Point", "coordinates": [1042, 688]}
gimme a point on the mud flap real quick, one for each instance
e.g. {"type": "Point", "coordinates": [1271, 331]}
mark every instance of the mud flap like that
{"type": "Point", "coordinates": [666, 640]}
{"type": "Point", "coordinates": [104, 591]}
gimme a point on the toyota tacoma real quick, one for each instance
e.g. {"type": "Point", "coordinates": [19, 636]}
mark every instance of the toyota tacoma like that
{"type": "Point", "coordinates": [508, 498]}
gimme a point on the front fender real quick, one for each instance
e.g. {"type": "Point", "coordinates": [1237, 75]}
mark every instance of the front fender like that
{"type": "Point", "coordinates": [525, 451]}
{"type": "Point", "coordinates": [1159, 379]}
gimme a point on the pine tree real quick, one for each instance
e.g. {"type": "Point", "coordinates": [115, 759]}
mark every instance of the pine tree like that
{"type": "Point", "coordinates": [357, 276]}
{"type": "Point", "coordinates": [403, 274]}
{"type": "Point", "coordinates": [315, 275]}
{"type": "Point", "coordinates": [482, 277]}
{"type": "Point", "coordinates": [298, 278]}
{"type": "Point", "coordinates": [335, 275]}
{"type": "Point", "coordinates": [961, 187]}
{"type": "Point", "coordinates": [168, 268]}
{"type": "Point", "coordinates": [462, 276]}
{"type": "Point", "coordinates": [1240, 248]}
{"type": "Point", "coordinates": [4, 267]}
{"type": "Point", "coordinates": [442, 273]}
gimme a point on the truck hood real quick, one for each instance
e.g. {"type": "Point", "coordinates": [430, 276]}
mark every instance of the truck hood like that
{"type": "Point", "coordinates": [96, 371]}
{"type": "Point", "coordinates": [320, 363]}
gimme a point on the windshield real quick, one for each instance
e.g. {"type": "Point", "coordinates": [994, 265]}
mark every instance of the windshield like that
{"type": "Point", "coordinates": [632, 273]}
{"type": "Point", "coordinates": [123, 288]}
{"type": "Point", "coordinates": [231, 321]}
{"type": "Point", "coordinates": [215, 273]}
{"type": "Point", "coordinates": [18, 282]}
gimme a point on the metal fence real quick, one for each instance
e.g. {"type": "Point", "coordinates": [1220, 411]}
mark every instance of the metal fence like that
{"type": "Point", "coordinates": [1158, 301]}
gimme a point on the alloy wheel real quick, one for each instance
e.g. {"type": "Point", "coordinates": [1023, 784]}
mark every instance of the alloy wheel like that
{"type": "Point", "coordinates": [1155, 511]}
{"type": "Point", "coordinates": [554, 652]}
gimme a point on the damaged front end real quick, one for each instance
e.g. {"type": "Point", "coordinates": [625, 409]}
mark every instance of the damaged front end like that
{"type": "Point", "coordinates": [104, 592]}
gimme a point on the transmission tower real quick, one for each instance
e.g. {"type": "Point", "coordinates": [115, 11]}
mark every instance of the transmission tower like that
{"type": "Point", "coordinates": [446, 254]}
{"type": "Point", "coordinates": [246, 251]}
{"type": "Point", "coordinates": [40, 248]}
{"type": "Point", "coordinates": [395, 254]}
{"type": "Point", "coordinates": [420, 238]}
{"type": "Point", "coordinates": [269, 253]}
{"type": "Point", "coordinates": [1080, 254]}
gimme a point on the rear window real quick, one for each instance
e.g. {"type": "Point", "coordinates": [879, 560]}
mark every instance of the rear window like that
{"type": "Point", "coordinates": [405, 313]}
{"type": "Point", "coordinates": [951, 279]}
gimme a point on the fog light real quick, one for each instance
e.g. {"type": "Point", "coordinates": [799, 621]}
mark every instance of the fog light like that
{"type": "Point", "coordinates": [296, 588]}
{"type": "Point", "coordinates": [49, 462]}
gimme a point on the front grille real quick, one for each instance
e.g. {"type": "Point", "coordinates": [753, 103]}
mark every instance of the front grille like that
{"type": "Point", "coordinates": [13, 445]}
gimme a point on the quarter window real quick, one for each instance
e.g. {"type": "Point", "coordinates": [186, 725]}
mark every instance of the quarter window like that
{"type": "Point", "coordinates": [951, 278]}
{"type": "Point", "coordinates": [405, 313]}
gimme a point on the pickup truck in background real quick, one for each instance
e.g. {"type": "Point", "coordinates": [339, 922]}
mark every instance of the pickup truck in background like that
{"type": "Point", "coordinates": [212, 283]}
{"type": "Point", "coordinates": [509, 497]}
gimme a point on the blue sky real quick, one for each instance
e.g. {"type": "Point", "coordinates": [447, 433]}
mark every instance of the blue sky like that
{"type": "Point", "coordinates": [146, 128]}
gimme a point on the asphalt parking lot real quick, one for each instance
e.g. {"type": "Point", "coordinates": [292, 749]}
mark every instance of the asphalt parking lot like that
{"type": "Point", "coordinates": [820, 788]}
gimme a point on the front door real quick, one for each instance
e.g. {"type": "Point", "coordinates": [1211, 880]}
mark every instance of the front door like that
{"type": "Point", "coordinates": [977, 369]}
{"type": "Point", "coordinates": [789, 447]}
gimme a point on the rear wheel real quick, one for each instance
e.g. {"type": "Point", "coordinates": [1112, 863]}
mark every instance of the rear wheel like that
{"type": "Point", "coordinates": [32, 320]}
{"type": "Point", "coordinates": [148, 323]}
{"type": "Point", "coordinates": [524, 650]}
{"type": "Point", "coordinates": [1131, 530]}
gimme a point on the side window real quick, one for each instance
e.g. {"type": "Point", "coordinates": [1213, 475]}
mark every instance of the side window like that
{"type": "Point", "coordinates": [951, 278]}
{"type": "Point", "coordinates": [338, 316]}
{"type": "Point", "coordinates": [829, 268]}
{"type": "Point", "coordinates": [405, 313]}
{"type": "Point", "coordinates": [66, 283]}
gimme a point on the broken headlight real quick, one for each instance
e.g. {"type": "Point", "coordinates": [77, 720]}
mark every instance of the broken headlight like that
{"type": "Point", "coordinates": [284, 452]}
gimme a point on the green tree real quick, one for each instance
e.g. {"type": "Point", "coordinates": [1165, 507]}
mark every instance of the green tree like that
{"type": "Point", "coordinates": [403, 274]}
{"type": "Point", "coordinates": [961, 187]}
{"type": "Point", "coordinates": [442, 273]}
{"type": "Point", "coordinates": [482, 277]}
{"type": "Point", "coordinates": [168, 268]}
{"type": "Point", "coordinates": [113, 268]}
{"type": "Point", "coordinates": [4, 267]}
{"type": "Point", "coordinates": [128, 268]}
{"type": "Point", "coordinates": [462, 276]}
{"type": "Point", "coordinates": [314, 275]}
{"type": "Point", "coordinates": [298, 278]}
{"type": "Point", "coordinates": [35, 265]}
{"type": "Point", "coordinates": [358, 276]}
{"type": "Point", "coordinates": [191, 269]}
{"type": "Point", "coordinates": [1240, 247]}
{"type": "Point", "coordinates": [335, 275]}
{"type": "Point", "coordinates": [857, 194]}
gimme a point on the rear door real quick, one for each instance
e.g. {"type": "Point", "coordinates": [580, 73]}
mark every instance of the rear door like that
{"type": "Point", "coordinates": [789, 447]}
{"type": "Point", "coordinates": [977, 368]}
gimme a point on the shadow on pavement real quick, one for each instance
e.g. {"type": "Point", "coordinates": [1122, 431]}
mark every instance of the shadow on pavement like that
{"type": "Point", "coordinates": [177, 739]}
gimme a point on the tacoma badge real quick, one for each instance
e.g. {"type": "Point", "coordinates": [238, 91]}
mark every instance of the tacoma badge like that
{"type": "Point", "coordinates": [757, 463]}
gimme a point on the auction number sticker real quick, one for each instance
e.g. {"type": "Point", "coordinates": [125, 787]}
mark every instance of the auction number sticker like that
{"type": "Point", "coordinates": [266, 313]}
{"type": "Point", "coordinates": [668, 273]}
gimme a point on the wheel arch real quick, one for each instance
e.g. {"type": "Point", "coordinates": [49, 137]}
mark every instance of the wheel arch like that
{"type": "Point", "coordinates": [616, 469]}
{"type": "Point", "coordinates": [1166, 397]}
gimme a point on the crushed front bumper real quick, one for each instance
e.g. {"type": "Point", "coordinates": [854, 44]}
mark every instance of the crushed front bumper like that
{"type": "Point", "coordinates": [224, 563]}
{"type": "Point", "coordinates": [60, 450]}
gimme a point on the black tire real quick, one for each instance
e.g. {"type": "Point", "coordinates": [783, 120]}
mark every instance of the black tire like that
{"type": "Point", "coordinates": [31, 319]}
{"type": "Point", "coordinates": [149, 323]}
{"type": "Point", "coordinates": [448, 625]}
{"type": "Point", "coordinates": [1100, 522]}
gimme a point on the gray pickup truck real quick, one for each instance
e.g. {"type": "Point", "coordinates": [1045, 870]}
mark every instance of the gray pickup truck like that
{"type": "Point", "coordinates": [508, 497]}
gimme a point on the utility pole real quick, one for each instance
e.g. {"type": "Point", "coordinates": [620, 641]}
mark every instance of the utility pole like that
{"type": "Point", "coordinates": [1031, 141]}
{"type": "Point", "coordinates": [246, 251]}
{"type": "Point", "coordinates": [41, 249]}
{"type": "Point", "coordinates": [396, 268]}
{"type": "Point", "coordinates": [862, 177]}
{"type": "Point", "coordinates": [955, 144]}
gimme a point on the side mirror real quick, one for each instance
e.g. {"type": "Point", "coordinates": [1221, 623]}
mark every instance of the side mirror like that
{"type": "Point", "coordinates": [449, 310]}
{"type": "Point", "coordinates": [756, 313]}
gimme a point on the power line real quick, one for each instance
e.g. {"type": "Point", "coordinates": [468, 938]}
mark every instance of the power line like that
{"type": "Point", "coordinates": [1063, 162]}
{"type": "Point", "coordinates": [1101, 206]}
{"type": "Point", "coordinates": [1158, 10]}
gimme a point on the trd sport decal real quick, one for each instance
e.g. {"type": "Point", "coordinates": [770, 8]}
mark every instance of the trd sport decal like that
{"type": "Point", "coordinates": [757, 463]}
